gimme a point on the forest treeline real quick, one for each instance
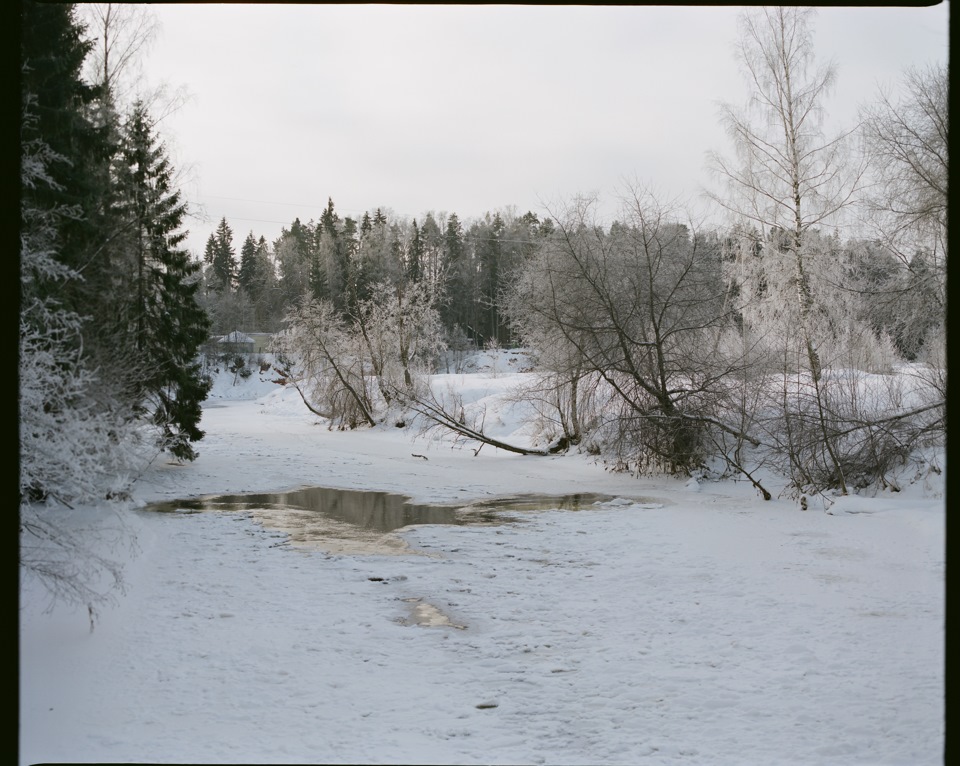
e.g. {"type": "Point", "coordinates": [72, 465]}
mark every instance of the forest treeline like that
{"type": "Point", "coordinates": [464, 265]}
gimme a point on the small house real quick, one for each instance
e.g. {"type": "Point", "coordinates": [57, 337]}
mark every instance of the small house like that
{"type": "Point", "coordinates": [237, 343]}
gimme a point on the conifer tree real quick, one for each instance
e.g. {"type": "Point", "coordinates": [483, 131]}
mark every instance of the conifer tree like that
{"type": "Point", "coordinates": [457, 288]}
{"type": "Point", "coordinates": [53, 50]}
{"type": "Point", "coordinates": [347, 245]}
{"type": "Point", "coordinates": [488, 247]}
{"type": "Point", "coordinates": [247, 276]}
{"type": "Point", "coordinates": [293, 262]}
{"type": "Point", "coordinates": [415, 255]}
{"type": "Point", "coordinates": [268, 306]}
{"type": "Point", "coordinates": [169, 324]}
{"type": "Point", "coordinates": [329, 218]}
{"type": "Point", "coordinates": [223, 257]}
{"type": "Point", "coordinates": [210, 250]}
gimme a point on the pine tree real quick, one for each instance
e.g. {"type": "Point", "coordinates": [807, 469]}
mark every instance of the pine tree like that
{"type": "Point", "coordinates": [313, 254]}
{"type": "Point", "coordinates": [336, 250]}
{"type": "Point", "coordinates": [294, 252]}
{"type": "Point", "coordinates": [374, 260]}
{"type": "Point", "coordinates": [170, 325]}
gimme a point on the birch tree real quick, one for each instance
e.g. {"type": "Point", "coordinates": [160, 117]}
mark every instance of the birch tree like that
{"type": "Point", "coordinates": [121, 33]}
{"type": "Point", "coordinates": [786, 176]}
{"type": "Point", "coordinates": [788, 179]}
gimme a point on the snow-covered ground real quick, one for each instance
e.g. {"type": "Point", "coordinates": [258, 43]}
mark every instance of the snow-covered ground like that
{"type": "Point", "coordinates": [678, 623]}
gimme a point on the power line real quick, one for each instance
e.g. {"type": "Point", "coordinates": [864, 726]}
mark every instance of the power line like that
{"type": "Point", "coordinates": [284, 204]}
{"type": "Point", "coordinates": [353, 212]}
{"type": "Point", "coordinates": [252, 220]}
{"type": "Point", "coordinates": [260, 201]}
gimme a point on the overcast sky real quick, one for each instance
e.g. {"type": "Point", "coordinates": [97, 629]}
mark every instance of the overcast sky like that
{"type": "Point", "coordinates": [470, 109]}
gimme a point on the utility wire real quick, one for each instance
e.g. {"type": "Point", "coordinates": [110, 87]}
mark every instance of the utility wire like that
{"type": "Point", "coordinates": [285, 204]}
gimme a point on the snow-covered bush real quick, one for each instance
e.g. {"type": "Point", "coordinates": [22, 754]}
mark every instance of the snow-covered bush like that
{"type": "Point", "coordinates": [319, 356]}
{"type": "Point", "coordinates": [352, 370]}
{"type": "Point", "coordinates": [78, 442]}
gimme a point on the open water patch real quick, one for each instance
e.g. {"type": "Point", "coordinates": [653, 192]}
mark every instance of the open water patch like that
{"type": "Point", "coordinates": [367, 521]}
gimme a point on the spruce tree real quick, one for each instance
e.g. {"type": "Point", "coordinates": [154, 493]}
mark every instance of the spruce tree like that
{"type": "Point", "coordinates": [210, 250]}
{"type": "Point", "coordinates": [247, 276]}
{"type": "Point", "coordinates": [329, 219]}
{"type": "Point", "coordinates": [169, 325]}
{"type": "Point", "coordinates": [52, 50]}
{"type": "Point", "coordinates": [347, 245]}
{"type": "Point", "coordinates": [267, 306]}
{"type": "Point", "coordinates": [224, 257]}
{"type": "Point", "coordinates": [487, 237]}
{"type": "Point", "coordinates": [415, 255]}
{"type": "Point", "coordinates": [458, 289]}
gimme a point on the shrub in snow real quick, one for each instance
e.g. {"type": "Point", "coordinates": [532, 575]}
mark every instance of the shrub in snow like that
{"type": "Point", "coordinates": [352, 369]}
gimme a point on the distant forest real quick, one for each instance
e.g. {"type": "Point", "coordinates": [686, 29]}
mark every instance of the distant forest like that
{"type": "Point", "coordinates": [464, 265]}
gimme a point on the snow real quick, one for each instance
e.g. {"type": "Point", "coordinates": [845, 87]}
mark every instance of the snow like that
{"type": "Point", "coordinates": [682, 622]}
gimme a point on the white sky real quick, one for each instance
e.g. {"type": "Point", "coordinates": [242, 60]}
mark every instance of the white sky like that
{"type": "Point", "coordinates": [470, 109]}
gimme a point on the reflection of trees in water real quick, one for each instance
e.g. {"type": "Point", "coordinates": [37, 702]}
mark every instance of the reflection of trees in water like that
{"type": "Point", "coordinates": [318, 512]}
{"type": "Point", "coordinates": [380, 511]}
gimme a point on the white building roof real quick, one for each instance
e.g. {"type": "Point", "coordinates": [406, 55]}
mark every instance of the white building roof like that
{"type": "Point", "coordinates": [236, 337]}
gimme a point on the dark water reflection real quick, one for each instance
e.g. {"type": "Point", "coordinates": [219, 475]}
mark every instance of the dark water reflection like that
{"type": "Point", "coordinates": [362, 521]}
{"type": "Point", "coordinates": [378, 511]}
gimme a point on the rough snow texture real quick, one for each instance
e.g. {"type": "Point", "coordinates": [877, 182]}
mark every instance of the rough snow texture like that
{"type": "Point", "coordinates": [679, 624]}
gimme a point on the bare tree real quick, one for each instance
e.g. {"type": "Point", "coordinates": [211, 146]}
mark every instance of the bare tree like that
{"type": "Point", "coordinates": [640, 310]}
{"type": "Point", "coordinates": [122, 33]}
{"type": "Point", "coordinates": [906, 142]}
